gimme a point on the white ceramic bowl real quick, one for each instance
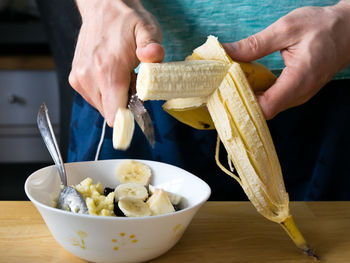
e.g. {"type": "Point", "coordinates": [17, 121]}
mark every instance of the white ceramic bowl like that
{"type": "Point", "coordinates": [116, 239]}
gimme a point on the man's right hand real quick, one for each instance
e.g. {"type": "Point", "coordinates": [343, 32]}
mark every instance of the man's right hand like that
{"type": "Point", "coordinates": [114, 37]}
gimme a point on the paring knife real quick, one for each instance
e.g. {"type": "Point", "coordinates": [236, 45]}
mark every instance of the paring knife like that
{"type": "Point", "coordinates": [142, 118]}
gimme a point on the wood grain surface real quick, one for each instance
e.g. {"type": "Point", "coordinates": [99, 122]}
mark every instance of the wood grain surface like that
{"type": "Point", "coordinates": [220, 232]}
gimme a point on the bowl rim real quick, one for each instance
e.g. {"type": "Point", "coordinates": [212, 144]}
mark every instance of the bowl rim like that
{"type": "Point", "coordinates": [121, 218]}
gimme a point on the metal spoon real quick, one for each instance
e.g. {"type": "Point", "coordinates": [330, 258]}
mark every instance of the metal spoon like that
{"type": "Point", "coordinates": [69, 199]}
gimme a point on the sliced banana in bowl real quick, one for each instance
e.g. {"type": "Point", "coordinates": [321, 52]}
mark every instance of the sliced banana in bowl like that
{"type": "Point", "coordinates": [159, 203]}
{"type": "Point", "coordinates": [134, 171]}
{"type": "Point", "coordinates": [133, 207]}
{"type": "Point", "coordinates": [134, 196]}
{"type": "Point", "coordinates": [175, 199]}
{"type": "Point", "coordinates": [134, 190]}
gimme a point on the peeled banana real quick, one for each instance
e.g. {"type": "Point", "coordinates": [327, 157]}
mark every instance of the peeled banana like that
{"type": "Point", "coordinates": [201, 77]}
{"type": "Point", "coordinates": [195, 114]}
{"type": "Point", "coordinates": [241, 127]}
{"type": "Point", "coordinates": [259, 77]}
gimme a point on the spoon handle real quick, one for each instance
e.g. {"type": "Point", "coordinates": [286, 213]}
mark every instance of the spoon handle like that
{"type": "Point", "coordinates": [45, 127]}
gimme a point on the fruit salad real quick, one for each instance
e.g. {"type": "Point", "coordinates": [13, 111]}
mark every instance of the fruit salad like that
{"type": "Point", "coordinates": [133, 197]}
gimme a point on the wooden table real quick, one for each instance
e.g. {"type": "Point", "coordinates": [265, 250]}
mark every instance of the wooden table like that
{"type": "Point", "coordinates": [220, 232]}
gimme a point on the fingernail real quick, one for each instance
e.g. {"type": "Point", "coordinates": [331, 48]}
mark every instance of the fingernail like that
{"type": "Point", "coordinates": [109, 124]}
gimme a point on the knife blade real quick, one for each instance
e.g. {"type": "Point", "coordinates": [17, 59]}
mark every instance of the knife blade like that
{"type": "Point", "coordinates": [142, 118]}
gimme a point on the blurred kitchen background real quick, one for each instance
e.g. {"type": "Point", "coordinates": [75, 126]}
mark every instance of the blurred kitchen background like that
{"type": "Point", "coordinates": [27, 78]}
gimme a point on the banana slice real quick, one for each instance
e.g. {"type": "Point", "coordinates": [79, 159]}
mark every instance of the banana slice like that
{"type": "Point", "coordinates": [174, 199]}
{"type": "Point", "coordinates": [134, 190]}
{"type": "Point", "coordinates": [159, 203]}
{"type": "Point", "coordinates": [123, 129]}
{"type": "Point", "coordinates": [132, 207]}
{"type": "Point", "coordinates": [133, 171]}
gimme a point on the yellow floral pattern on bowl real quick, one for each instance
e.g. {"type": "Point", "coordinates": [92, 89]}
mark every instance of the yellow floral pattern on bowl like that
{"type": "Point", "coordinates": [80, 240]}
{"type": "Point", "coordinates": [123, 240]}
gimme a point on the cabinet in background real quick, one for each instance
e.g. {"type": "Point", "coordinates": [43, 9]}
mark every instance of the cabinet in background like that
{"type": "Point", "coordinates": [21, 94]}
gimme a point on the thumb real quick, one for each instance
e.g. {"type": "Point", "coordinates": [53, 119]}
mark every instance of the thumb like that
{"type": "Point", "coordinates": [287, 92]}
{"type": "Point", "coordinates": [148, 47]}
{"type": "Point", "coordinates": [261, 44]}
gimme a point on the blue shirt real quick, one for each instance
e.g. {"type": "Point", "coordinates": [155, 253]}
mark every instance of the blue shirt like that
{"type": "Point", "coordinates": [310, 140]}
{"type": "Point", "coordinates": [187, 23]}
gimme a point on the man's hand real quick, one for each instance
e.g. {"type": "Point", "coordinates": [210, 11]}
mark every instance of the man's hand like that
{"type": "Point", "coordinates": [114, 37]}
{"type": "Point", "coordinates": [314, 43]}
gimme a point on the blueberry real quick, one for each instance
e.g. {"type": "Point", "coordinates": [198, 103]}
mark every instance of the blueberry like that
{"type": "Point", "coordinates": [176, 207]}
{"type": "Point", "coordinates": [107, 190]}
{"type": "Point", "coordinates": [117, 210]}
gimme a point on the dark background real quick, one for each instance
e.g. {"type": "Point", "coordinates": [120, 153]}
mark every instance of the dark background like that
{"type": "Point", "coordinates": [24, 36]}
